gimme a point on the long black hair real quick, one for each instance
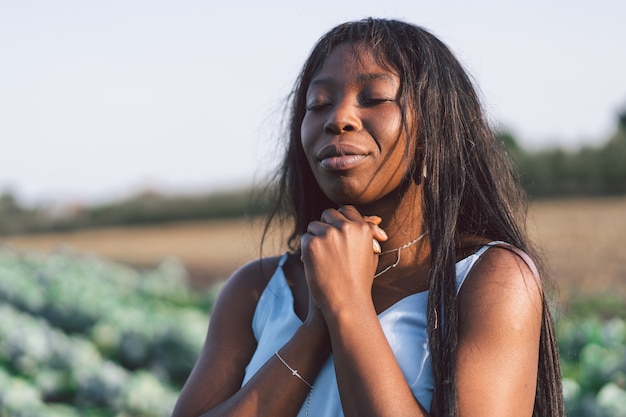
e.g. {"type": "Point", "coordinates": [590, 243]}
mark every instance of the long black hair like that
{"type": "Point", "coordinates": [470, 189]}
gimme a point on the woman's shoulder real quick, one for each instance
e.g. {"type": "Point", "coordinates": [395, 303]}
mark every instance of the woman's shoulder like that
{"type": "Point", "coordinates": [494, 250]}
{"type": "Point", "coordinates": [502, 273]}
{"type": "Point", "coordinates": [499, 264]}
{"type": "Point", "coordinates": [496, 255]}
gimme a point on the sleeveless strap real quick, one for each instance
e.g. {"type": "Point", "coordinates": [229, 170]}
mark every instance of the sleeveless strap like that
{"type": "Point", "coordinates": [283, 259]}
{"type": "Point", "coordinates": [523, 255]}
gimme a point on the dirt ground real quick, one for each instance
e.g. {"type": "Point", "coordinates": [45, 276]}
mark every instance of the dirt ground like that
{"type": "Point", "coordinates": [582, 242]}
{"type": "Point", "coordinates": [210, 250]}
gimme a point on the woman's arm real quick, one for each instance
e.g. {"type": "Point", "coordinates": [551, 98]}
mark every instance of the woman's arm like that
{"type": "Point", "coordinates": [214, 386]}
{"type": "Point", "coordinates": [500, 314]}
{"type": "Point", "coordinates": [497, 359]}
{"type": "Point", "coordinates": [500, 319]}
{"type": "Point", "coordinates": [370, 380]}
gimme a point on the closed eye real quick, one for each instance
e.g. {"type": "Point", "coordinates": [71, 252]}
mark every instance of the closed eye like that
{"type": "Point", "coordinates": [375, 101]}
{"type": "Point", "coordinates": [317, 105]}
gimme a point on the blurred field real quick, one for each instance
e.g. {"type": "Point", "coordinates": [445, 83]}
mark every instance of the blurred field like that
{"type": "Point", "coordinates": [582, 239]}
{"type": "Point", "coordinates": [210, 250]}
{"type": "Point", "coordinates": [583, 243]}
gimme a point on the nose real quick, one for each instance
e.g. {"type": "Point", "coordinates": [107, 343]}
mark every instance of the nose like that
{"type": "Point", "coordinates": [343, 118]}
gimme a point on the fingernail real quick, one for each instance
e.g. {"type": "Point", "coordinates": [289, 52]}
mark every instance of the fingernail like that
{"type": "Point", "coordinates": [382, 232]}
{"type": "Point", "coordinates": [376, 245]}
{"type": "Point", "coordinates": [373, 219]}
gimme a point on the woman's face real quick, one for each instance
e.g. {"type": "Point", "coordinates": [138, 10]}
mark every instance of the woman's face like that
{"type": "Point", "coordinates": [352, 131]}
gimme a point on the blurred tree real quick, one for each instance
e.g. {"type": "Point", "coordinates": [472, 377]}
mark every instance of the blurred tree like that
{"type": "Point", "coordinates": [587, 171]}
{"type": "Point", "coordinates": [622, 119]}
{"type": "Point", "coordinates": [547, 173]}
{"type": "Point", "coordinates": [13, 217]}
{"type": "Point", "coordinates": [8, 203]}
{"type": "Point", "coordinates": [507, 138]}
{"type": "Point", "coordinates": [613, 159]}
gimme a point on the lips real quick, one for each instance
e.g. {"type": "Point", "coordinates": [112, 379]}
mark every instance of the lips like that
{"type": "Point", "coordinates": [341, 157]}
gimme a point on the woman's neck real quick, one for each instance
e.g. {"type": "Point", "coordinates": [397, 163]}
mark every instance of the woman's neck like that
{"type": "Point", "coordinates": [402, 220]}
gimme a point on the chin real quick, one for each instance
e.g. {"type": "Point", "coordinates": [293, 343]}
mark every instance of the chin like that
{"type": "Point", "coordinates": [357, 199]}
{"type": "Point", "coordinates": [343, 195]}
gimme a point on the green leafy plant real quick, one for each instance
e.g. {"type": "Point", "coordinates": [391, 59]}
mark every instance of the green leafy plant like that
{"type": "Point", "coordinates": [592, 342]}
{"type": "Point", "coordinates": [80, 335]}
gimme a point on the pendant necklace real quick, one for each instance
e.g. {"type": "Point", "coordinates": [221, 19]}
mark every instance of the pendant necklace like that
{"type": "Point", "coordinates": [398, 250]}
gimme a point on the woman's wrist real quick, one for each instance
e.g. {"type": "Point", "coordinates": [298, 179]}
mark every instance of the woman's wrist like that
{"type": "Point", "coordinates": [316, 331]}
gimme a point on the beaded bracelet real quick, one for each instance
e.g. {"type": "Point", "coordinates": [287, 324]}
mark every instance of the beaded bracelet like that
{"type": "Point", "coordinates": [294, 372]}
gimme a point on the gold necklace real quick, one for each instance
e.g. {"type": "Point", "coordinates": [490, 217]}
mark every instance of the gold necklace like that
{"type": "Point", "coordinates": [398, 250]}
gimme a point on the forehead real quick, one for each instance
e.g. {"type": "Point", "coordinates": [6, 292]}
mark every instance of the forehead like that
{"type": "Point", "coordinates": [353, 61]}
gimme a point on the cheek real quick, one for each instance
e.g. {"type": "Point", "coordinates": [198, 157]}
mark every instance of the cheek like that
{"type": "Point", "coordinates": [389, 132]}
{"type": "Point", "coordinates": [394, 124]}
{"type": "Point", "coordinates": [306, 136]}
{"type": "Point", "coordinates": [397, 148]}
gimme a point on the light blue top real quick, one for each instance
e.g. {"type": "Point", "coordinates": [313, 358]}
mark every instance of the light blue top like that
{"type": "Point", "coordinates": [404, 325]}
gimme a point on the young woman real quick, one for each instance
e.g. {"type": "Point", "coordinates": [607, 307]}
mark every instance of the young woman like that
{"type": "Point", "coordinates": [409, 289]}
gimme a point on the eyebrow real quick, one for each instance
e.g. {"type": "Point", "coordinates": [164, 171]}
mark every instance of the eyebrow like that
{"type": "Point", "coordinates": [362, 79]}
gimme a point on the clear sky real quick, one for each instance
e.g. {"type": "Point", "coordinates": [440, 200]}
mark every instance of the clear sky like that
{"type": "Point", "coordinates": [99, 99]}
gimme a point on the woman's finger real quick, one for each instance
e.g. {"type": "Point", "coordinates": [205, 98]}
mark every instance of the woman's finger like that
{"type": "Point", "coordinates": [351, 213]}
{"type": "Point", "coordinates": [333, 217]}
{"type": "Point", "coordinates": [373, 220]}
{"type": "Point", "coordinates": [316, 228]}
{"type": "Point", "coordinates": [379, 233]}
